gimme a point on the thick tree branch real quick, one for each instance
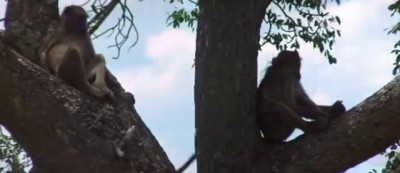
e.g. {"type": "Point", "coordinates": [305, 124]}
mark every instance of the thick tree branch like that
{"type": "Point", "coordinates": [64, 130]}
{"type": "Point", "coordinates": [364, 131]}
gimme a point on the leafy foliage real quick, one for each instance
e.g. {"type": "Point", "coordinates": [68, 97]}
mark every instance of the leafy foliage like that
{"type": "Point", "coordinates": [12, 156]}
{"type": "Point", "coordinates": [393, 160]}
{"type": "Point", "coordinates": [179, 16]}
{"type": "Point", "coordinates": [292, 20]}
{"type": "Point", "coordinates": [288, 22]}
{"type": "Point", "coordinates": [393, 163]}
{"type": "Point", "coordinates": [395, 9]}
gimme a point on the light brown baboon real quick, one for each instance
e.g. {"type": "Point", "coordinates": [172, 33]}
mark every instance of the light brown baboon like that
{"type": "Point", "coordinates": [68, 53]}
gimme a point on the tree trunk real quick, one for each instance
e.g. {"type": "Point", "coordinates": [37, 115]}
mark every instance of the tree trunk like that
{"type": "Point", "coordinates": [228, 34]}
{"type": "Point", "coordinates": [60, 128]}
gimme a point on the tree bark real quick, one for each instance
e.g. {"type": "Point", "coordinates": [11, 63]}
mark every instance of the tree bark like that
{"type": "Point", "coordinates": [26, 22]}
{"type": "Point", "coordinates": [228, 35]}
{"type": "Point", "coordinates": [60, 128]}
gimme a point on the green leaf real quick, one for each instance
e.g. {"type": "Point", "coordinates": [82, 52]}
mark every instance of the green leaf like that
{"type": "Point", "coordinates": [338, 19]}
{"type": "Point", "coordinates": [391, 154]}
{"type": "Point", "coordinates": [392, 7]}
{"type": "Point", "coordinates": [398, 59]}
{"type": "Point", "coordinates": [338, 33]}
{"type": "Point", "coordinates": [298, 21]}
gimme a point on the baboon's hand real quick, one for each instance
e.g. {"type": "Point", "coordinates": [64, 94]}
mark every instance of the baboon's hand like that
{"type": "Point", "coordinates": [97, 92]}
{"type": "Point", "coordinates": [105, 90]}
{"type": "Point", "coordinates": [106, 93]}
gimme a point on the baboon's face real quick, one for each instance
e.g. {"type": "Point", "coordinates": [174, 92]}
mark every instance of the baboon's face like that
{"type": "Point", "coordinates": [75, 19]}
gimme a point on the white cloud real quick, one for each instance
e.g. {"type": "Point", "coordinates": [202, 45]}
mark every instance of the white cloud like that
{"type": "Point", "coordinates": [320, 98]}
{"type": "Point", "coordinates": [170, 56]}
{"type": "Point", "coordinates": [355, 15]}
{"type": "Point", "coordinates": [147, 82]}
{"type": "Point", "coordinates": [172, 47]}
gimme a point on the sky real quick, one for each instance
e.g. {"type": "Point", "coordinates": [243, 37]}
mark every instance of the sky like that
{"type": "Point", "coordinates": [158, 70]}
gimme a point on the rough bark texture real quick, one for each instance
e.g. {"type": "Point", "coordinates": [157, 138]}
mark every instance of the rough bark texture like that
{"type": "Point", "coordinates": [62, 129]}
{"type": "Point", "coordinates": [228, 34]}
{"type": "Point", "coordinates": [26, 22]}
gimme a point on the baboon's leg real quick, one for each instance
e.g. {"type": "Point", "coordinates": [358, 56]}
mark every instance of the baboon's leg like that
{"type": "Point", "coordinates": [71, 70]}
{"type": "Point", "coordinates": [97, 75]}
{"type": "Point", "coordinates": [321, 110]}
{"type": "Point", "coordinates": [278, 121]}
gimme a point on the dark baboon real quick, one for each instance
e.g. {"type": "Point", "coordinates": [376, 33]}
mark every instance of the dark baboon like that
{"type": "Point", "coordinates": [69, 54]}
{"type": "Point", "coordinates": [282, 101]}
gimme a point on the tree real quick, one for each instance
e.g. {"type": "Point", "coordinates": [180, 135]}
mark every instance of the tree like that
{"type": "Point", "coordinates": [393, 163]}
{"type": "Point", "coordinates": [89, 136]}
{"type": "Point", "coordinates": [85, 131]}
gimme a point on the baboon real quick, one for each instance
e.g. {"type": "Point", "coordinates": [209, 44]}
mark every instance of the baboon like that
{"type": "Point", "coordinates": [68, 53]}
{"type": "Point", "coordinates": [282, 101]}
